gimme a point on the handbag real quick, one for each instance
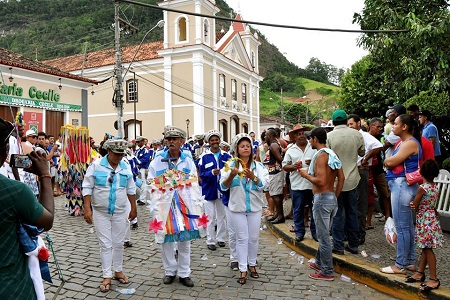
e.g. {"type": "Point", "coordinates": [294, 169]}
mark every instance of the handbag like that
{"type": "Point", "coordinates": [415, 176]}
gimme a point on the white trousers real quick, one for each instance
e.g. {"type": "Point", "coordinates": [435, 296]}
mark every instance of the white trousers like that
{"type": "Point", "coordinates": [110, 231]}
{"type": "Point", "coordinates": [170, 264]}
{"type": "Point", "coordinates": [231, 235]}
{"type": "Point", "coordinates": [247, 237]}
{"type": "Point", "coordinates": [143, 192]}
{"type": "Point", "coordinates": [215, 210]}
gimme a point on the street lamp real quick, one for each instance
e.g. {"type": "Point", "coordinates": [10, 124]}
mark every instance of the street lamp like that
{"type": "Point", "coordinates": [187, 127]}
{"type": "Point", "coordinates": [135, 100]}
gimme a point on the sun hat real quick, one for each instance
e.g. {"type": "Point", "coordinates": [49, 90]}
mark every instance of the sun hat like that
{"type": "Point", "coordinates": [237, 138]}
{"type": "Point", "coordinates": [30, 132]}
{"type": "Point", "coordinates": [211, 133]}
{"type": "Point", "coordinates": [295, 129]}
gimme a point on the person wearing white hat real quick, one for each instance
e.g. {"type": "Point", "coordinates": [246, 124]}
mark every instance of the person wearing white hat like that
{"type": "Point", "coordinates": [109, 187]}
{"type": "Point", "coordinates": [245, 202]}
{"type": "Point", "coordinates": [209, 165]}
{"type": "Point", "coordinates": [174, 158]}
{"type": "Point", "coordinates": [199, 146]}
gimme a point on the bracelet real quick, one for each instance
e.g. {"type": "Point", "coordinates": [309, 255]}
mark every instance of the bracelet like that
{"type": "Point", "coordinates": [45, 176]}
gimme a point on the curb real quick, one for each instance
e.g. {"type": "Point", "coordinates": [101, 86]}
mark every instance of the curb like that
{"type": "Point", "coordinates": [359, 270]}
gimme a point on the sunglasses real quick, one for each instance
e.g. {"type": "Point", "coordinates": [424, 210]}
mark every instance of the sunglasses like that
{"type": "Point", "coordinates": [111, 177]}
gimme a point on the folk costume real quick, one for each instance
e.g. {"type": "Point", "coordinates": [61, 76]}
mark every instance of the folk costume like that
{"type": "Point", "coordinates": [175, 202]}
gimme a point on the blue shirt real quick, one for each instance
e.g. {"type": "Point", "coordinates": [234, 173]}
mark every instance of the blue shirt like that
{"type": "Point", "coordinates": [429, 131]}
{"type": "Point", "coordinates": [207, 162]}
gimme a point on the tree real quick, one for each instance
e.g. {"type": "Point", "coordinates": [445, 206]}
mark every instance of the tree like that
{"type": "Point", "coordinates": [410, 62]}
{"type": "Point", "coordinates": [323, 72]}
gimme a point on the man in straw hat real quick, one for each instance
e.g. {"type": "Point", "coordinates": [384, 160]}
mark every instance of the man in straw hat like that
{"type": "Point", "coordinates": [209, 166]}
{"type": "Point", "coordinates": [108, 187]}
{"type": "Point", "coordinates": [296, 157]}
{"type": "Point", "coordinates": [176, 230]}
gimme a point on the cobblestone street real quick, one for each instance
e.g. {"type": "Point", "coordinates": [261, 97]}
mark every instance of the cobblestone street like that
{"type": "Point", "coordinates": [281, 274]}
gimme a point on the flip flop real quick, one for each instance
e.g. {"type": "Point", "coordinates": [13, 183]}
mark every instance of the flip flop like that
{"type": "Point", "coordinates": [389, 270]}
{"type": "Point", "coordinates": [105, 287]}
{"type": "Point", "coordinates": [123, 279]}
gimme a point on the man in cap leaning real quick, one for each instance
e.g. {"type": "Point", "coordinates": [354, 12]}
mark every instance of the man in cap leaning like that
{"type": "Point", "coordinates": [209, 165]}
{"type": "Point", "coordinates": [174, 158]}
{"type": "Point", "coordinates": [348, 144]}
{"type": "Point", "coordinates": [144, 156]}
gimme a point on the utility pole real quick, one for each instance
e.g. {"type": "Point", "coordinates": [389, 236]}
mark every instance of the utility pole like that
{"type": "Point", "coordinates": [118, 91]}
{"type": "Point", "coordinates": [307, 113]}
{"type": "Point", "coordinates": [282, 108]}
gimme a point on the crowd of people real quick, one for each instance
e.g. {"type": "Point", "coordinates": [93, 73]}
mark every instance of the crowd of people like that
{"type": "Point", "coordinates": [338, 176]}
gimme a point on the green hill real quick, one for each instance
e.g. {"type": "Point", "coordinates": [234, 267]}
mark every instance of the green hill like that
{"type": "Point", "coordinates": [319, 97]}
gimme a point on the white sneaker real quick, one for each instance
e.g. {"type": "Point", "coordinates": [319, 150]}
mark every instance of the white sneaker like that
{"type": "Point", "coordinates": [378, 215]}
{"type": "Point", "coordinates": [382, 219]}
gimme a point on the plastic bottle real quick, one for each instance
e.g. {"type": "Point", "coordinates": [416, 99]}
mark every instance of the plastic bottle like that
{"type": "Point", "coordinates": [301, 259]}
{"type": "Point", "coordinates": [126, 291]}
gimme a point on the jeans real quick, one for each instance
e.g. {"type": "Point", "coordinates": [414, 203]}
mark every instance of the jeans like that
{"type": "Point", "coordinates": [301, 198]}
{"type": "Point", "coordinates": [401, 195]}
{"type": "Point", "coordinates": [324, 209]}
{"type": "Point", "coordinates": [363, 198]}
{"type": "Point", "coordinates": [345, 223]}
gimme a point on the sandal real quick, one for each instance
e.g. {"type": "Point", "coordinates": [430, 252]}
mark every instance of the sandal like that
{"type": "Point", "coordinates": [253, 274]}
{"type": "Point", "coordinates": [122, 279]}
{"type": "Point", "coordinates": [410, 279]}
{"type": "Point", "coordinates": [105, 286]}
{"type": "Point", "coordinates": [426, 288]}
{"type": "Point", "coordinates": [242, 279]}
{"type": "Point", "coordinates": [368, 227]}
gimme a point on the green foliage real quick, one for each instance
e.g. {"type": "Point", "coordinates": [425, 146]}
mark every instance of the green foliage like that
{"type": "Point", "coordinates": [293, 112]}
{"type": "Point", "coordinates": [323, 72]}
{"type": "Point", "coordinates": [365, 91]}
{"type": "Point", "coordinates": [446, 164]}
{"type": "Point", "coordinates": [410, 62]}
{"type": "Point", "coordinates": [324, 91]}
{"type": "Point", "coordinates": [437, 103]}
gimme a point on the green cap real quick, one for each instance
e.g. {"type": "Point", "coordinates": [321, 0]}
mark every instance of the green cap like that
{"type": "Point", "coordinates": [339, 115]}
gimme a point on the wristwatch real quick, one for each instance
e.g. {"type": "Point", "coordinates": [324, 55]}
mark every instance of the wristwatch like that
{"type": "Point", "coordinates": [255, 180]}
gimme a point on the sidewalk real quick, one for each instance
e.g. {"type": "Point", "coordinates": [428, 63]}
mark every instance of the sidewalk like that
{"type": "Point", "coordinates": [366, 269]}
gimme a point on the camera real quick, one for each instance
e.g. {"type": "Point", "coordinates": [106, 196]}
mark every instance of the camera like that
{"type": "Point", "coordinates": [20, 161]}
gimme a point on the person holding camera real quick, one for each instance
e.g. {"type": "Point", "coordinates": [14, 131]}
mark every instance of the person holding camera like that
{"type": "Point", "coordinates": [18, 204]}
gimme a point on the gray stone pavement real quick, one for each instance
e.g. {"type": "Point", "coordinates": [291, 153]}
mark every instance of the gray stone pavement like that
{"type": "Point", "coordinates": [379, 254]}
{"type": "Point", "coordinates": [281, 274]}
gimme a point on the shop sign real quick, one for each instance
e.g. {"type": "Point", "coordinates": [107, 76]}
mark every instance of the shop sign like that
{"type": "Point", "coordinates": [33, 92]}
{"type": "Point", "coordinates": [17, 101]}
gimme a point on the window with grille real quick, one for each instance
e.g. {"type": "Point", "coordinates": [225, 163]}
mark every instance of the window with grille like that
{"type": "Point", "coordinates": [132, 90]}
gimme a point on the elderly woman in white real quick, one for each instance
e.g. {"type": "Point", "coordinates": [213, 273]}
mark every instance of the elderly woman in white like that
{"type": "Point", "coordinates": [109, 202]}
{"type": "Point", "coordinates": [246, 201]}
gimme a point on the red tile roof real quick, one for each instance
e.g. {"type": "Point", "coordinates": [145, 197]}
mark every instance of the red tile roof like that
{"type": "Point", "coordinates": [107, 57]}
{"type": "Point", "coordinates": [12, 59]}
{"type": "Point", "coordinates": [237, 26]}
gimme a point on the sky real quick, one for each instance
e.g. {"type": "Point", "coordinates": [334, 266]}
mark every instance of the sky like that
{"type": "Point", "coordinates": [338, 49]}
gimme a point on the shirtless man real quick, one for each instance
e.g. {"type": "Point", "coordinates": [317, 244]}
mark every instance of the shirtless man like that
{"type": "Point", "coordinates": [325, 167]}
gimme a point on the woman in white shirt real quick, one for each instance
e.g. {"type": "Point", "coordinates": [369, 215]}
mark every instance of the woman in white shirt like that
{"type": "Point", "coordinates": [246, 201]}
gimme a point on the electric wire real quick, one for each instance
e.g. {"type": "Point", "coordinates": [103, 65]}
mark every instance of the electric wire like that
{"type": "Point", "coordinates": [264, 23]}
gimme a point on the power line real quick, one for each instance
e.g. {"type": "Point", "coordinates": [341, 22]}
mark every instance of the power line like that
{"type": "Point", "coordinates": [263, 23]}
